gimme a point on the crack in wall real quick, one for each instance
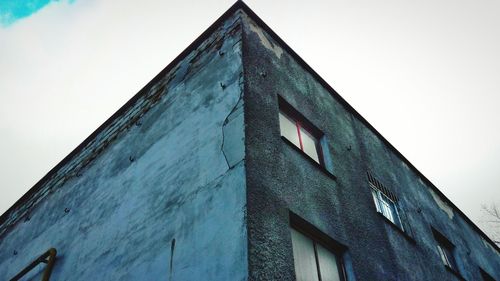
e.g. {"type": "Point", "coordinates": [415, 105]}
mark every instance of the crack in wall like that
{"type": "Point", "coordinates": [93, 149]}
{"type": "Point", "coordinates": [226, 120]}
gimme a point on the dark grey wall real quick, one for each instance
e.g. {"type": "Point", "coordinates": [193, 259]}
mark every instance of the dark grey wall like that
{"type": "Point", "coordinates": [280, 179]}
{"type": "Point", "coordinates": [170, 167]}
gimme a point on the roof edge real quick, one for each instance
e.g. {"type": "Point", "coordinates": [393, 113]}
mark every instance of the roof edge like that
{"type": "Point", "coordinates": [336, 95]}
{"type": "Point", "coordinates": [143, 91]}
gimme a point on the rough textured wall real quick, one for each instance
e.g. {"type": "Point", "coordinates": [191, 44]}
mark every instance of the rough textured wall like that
{"type": "Point", "coordinates": [280, 179]}
{"type": "Point", "coordinates": [160, 193]}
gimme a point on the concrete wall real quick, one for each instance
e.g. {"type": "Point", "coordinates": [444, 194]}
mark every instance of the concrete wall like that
{"type": "Point", "coordinates": [170, 168]}
{"type": "Point", "coordinates": [280, 179]}
{"type": "Point", "coordinates": [187, 184]}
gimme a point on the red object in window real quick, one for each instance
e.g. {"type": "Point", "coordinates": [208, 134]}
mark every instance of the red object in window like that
{"type": "Point", "coordinates": [300, 135]}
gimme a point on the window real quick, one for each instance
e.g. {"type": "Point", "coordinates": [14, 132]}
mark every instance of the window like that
{"type": "Point", "coordinates": [314, 262]}
{"type": "Point", "coordinates": [486, 276]}
{"type": "Point", "coordinates": [385, 201]}
{"type": "Point", "coordinates": [300, 132]}
{"type": "Point", "coordinates": [446, 251]}
{"type": "Point", "coordinates": [386, 206]}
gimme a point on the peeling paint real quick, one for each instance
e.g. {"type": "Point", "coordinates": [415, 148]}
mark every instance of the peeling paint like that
{"type": "Point", "coordinates": [281, 180]}
{"type": "Point", "coordinates": [488, 245]}
{"type": "Point", "coordinates": [442, 205]}
{"type": "Point", "coordinates": [233, 127]}
{"type": "Point", "coordinates": [277, 50]}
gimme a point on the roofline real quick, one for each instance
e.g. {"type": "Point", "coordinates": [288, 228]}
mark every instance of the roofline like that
{"type": "Point", "coordinates": [336, 95]}
{"type": "Point", "coordinates": [213, 27]}
{"type": "Point", "coordinates": [236, 6]}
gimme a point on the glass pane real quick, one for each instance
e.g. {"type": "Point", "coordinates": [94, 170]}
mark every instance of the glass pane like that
{"type": "Point", "coordinates": [396, 218]}
{"type": "Point", "coordinates": [375, 199]}
{"type": "Point", "coordinates": [309, 143]}
{"type": "Point", "coordinates": [388, 209]}
{"type": "Point", "coordinates": [289, 129]}
{"type": "Point", "coordinates": [443, 255]}
{"type": "Point", "coordinates": [304, 258]}
{"type": "Point", "coordinates": [328, 265]}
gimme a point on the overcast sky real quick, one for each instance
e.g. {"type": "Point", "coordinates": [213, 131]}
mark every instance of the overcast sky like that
{"type": "Point", "coordinates": [426, 74]}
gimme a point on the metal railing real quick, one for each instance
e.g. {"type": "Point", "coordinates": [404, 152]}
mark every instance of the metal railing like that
{"type": "Point", "coordinates": [48, 257]}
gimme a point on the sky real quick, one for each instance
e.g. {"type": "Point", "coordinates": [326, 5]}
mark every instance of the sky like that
{"type": "Point", "coordinates": [424, 73]}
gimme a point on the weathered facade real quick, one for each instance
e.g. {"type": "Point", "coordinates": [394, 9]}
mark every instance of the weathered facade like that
{"type": "Point", "coordinates": [193, 180]}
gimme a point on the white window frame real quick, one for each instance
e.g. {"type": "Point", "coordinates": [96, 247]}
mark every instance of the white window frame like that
{"type": "Point", "coordinates": [385, 206]}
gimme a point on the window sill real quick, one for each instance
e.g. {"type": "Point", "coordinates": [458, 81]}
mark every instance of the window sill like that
{"type": "Point", "coordinates": [397, 228]}
{"type": "Point", "coordinates": [319, 166]}
{"type": "Point", "coordinates": [454, 272]}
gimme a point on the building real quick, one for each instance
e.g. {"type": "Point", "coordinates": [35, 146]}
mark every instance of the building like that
{"type": "Point", "coordinates": [238, 162]}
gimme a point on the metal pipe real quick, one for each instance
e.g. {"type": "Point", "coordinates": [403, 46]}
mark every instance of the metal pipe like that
{"type": "Point", "coordinates": [48, 257]}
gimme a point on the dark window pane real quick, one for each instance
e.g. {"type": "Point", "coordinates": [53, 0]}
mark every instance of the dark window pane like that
{"type": "Point", "coordinates": [486, 276]}
{"type": "Point", "coordinates": [449, 255]}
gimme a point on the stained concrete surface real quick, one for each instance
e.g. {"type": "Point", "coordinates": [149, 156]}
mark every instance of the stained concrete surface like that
{"type": "Point", "coordinates": [194, 182]}
{"type": "Point", "coordinates": [172, 172]}
{"type": "Point", "coordinates": [281, 180]}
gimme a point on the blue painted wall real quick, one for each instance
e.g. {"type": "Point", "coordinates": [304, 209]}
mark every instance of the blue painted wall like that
{"type": "Point", "coordinates": [169, 167]}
